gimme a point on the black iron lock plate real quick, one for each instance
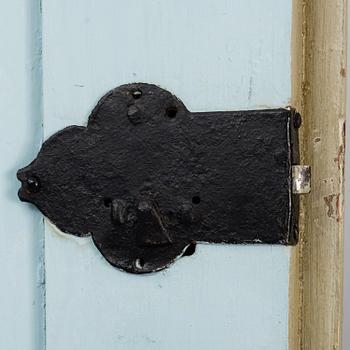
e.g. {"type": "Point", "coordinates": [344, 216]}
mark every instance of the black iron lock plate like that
{"type": "Point", "coordinates": [148, 179]}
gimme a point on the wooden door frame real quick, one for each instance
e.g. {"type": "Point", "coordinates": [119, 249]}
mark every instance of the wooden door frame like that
{"type": "Point", "coordinates": [319, 92]}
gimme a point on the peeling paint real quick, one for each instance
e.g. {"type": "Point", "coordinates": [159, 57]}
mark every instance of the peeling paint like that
{"type": "Point", "coordinates": [333, 205]}
{"type": "Point", "coordinates": [339, 160]}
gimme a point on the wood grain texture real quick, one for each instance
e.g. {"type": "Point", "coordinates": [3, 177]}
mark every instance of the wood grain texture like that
{"type": "Point", "coordinates": [319, 70]}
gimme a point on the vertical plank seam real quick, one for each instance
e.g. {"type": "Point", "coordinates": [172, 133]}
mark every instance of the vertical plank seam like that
{"type": "Point", "coordinates": [41, 271]}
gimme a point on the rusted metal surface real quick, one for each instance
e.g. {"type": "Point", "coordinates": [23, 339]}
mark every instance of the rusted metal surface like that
{"type": "Point", "coordinates": [148, 179]}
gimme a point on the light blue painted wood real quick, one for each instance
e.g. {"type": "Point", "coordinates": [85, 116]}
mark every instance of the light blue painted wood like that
{"type": "Point", "coordinates": [215, 55]}
{"type": "Point", "coordinates": [21, 226]}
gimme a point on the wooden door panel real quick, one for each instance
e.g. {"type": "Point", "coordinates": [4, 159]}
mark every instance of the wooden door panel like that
{"type": "Point", "coordinates": [220, 55]}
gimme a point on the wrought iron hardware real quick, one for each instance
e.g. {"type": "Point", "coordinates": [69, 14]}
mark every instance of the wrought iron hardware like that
{"type": "Point", "coordinates": [148, 179]}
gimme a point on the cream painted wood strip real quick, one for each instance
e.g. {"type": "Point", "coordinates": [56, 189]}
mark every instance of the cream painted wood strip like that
{"type": "Point", "coordinates": [319, 70]}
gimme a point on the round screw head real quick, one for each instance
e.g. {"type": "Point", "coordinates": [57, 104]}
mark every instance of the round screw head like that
{"type": "Point", "coordinates": [171, 112]}
{"type": "Point", "coordinates": [136, 94]}
{"type": "Point", "coordinates": [33, 184]}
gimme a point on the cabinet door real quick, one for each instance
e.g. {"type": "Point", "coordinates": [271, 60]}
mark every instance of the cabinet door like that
{"type": "Point", "coordinates": [214, 55]}
{"type": "Point", "coordinates": [21, 227]}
